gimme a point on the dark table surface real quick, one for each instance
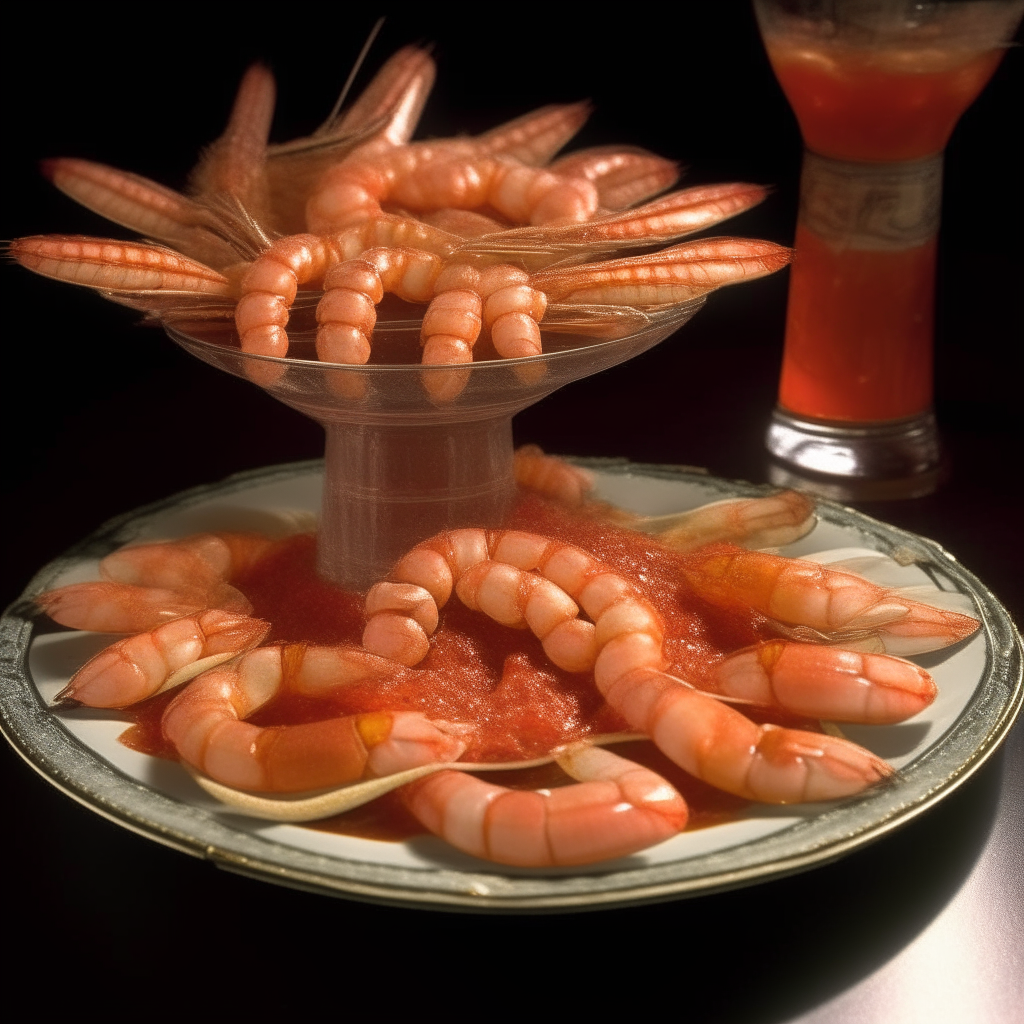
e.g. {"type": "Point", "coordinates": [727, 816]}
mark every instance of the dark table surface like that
{"type": "Point", "coordinates": [924, 925]}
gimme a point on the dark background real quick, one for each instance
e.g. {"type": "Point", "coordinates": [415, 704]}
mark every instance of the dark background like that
{"type": "Point", "coordinates": [102, 416]}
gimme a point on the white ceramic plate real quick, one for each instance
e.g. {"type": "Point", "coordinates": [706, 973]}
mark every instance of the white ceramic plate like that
{"type": "Point", "coordinates": [980, 692]}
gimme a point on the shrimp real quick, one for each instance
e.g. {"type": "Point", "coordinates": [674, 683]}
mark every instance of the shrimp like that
{"type": "Point", "coordinates": [525, 580]}
{"type": "Point", "coordinates": [204, 559]}
{"type": "Point", "coordinates": [823, 682]}
{"type": "Point", "coordinates": [552, 477]}
{"type": "Point", "coordinates": [836, 606]}
{"type": "Point", "coordinates": [505, 299]}
{"type": "Point", "coordinates": [447, 174]}
{"type": "Point", "coordinates": [769, 521]}
{"type": "Point", "coordinates": [160, 659]}
{"type": "Point", "coordinates": [270, 284]}
{"type": "Point", "coordinates": [269, 182]}
{"type": "Point", "coordinates": [246, 192]}
{"type": "Point", "coordinates": [149, 584]}
{"type": "Point", "coordinates": [617, 808]}
{"type": "Point", "coordinates": [122, 608]}
{"type": "Point", "coordinates": [206, 723]}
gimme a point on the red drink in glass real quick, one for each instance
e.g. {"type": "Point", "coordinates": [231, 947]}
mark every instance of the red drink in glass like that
{"type": "Point", "coordinates": [877, 87]}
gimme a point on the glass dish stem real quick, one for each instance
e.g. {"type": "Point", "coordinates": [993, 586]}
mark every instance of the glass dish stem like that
{"type": "Point", "coordinates": [387, 486]}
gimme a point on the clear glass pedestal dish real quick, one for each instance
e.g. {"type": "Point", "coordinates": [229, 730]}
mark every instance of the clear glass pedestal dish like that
{"type": "Point", "coordinates": [412, 450]}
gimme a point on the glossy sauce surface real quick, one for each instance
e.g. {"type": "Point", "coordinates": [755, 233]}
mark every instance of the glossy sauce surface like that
{"type": "Point", "coordinates": [478, 671]}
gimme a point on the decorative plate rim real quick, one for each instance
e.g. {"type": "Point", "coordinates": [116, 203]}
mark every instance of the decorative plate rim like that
{"type": "Point", "coordinates": [78, 771]}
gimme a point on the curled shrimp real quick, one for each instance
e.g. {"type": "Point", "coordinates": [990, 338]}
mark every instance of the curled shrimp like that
{"type": "Point", "coordinates": [159, 659]}
{"type": "Point", "coordinates": [551, 477]}
{"type": "Point", "coordinates": [528, 581]}
{"type": "Point", "coordinates": [768, 521]}
{"type": "Point", "coordinates": [823, 682]}
{"type": "Point", "coordinates": [206, 723]}
{"type": "Point", "coordinates": [617, 808]}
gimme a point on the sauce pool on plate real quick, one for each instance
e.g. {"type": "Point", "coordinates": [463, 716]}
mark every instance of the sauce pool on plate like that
{"type": "Point", "coordinates": [480, 672]}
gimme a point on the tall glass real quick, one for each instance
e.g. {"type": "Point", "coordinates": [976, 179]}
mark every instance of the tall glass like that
{"type": "Point", "coordinates": [877, 87]}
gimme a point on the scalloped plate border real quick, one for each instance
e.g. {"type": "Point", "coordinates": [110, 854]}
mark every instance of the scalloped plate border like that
{"type": "Point", "coordinates": [79, 772]}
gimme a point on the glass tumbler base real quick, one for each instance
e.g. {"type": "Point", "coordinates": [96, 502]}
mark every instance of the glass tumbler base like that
{"type": "Point", "coordinates": [855, 462]}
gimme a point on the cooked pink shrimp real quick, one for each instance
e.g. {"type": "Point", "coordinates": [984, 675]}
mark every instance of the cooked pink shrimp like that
{"type": "Point", "coordinates": [826, 682]}
{"type": "Point", "coordinates": [769, 521]}
{"type": "Point", "coordinates": [201, 560]}
{"type": "Point", "coordinates": [503, 298]}
{"type": "Point", "coordinates": [118, 266]}
{"type": "Point", "coordinates": [617, 809]}
{"type": "Point", "coordinates": [206, 723]}
{"type": "Point", "coordinates": [451, 173]}
{"type": "Point", "coordinates": [132, 670]}
{"type": "Point", "coordinates": [122, 608]}
{"type": "Point", "coordinates": [551, 476]}
{"type": "Point", "coordinates": [271, 283]}
{"type": "Point", "coordinates": [145, 206]}
{"type": "Point", "coordinates": [148, 584]}
{"type": "Point", "coordinates": [622, 176]}
{"type": "Point", "coordinates": [534, 138]}
{"type": "Point", "coordinates": [495, 572]}
{"type": "Point", "coordinates": [234, 164]}
{"type": "Point", "coordinates": [837, 604]}
{"type": "Point", "coordinates": [401, 614]}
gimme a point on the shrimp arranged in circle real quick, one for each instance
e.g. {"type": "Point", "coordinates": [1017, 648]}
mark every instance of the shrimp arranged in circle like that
{"type": "Point", "coordinates": [491, 233]}
{"type": "Point", "coordinates": [528, 581]}
{"type": "Point", "coordinates": [589, 618]}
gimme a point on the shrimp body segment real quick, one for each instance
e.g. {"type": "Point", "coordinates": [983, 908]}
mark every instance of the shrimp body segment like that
{"type": "Point", "coordinates": [132, 670]}
{"type": "Point", "coordinates": [839, 605]}
{"type": "Point", "coordinates": [617, 808]}
{"type": "Point", "coordinates": [206, 723]}
{"type": "Point", "coordinates": [825, 682]}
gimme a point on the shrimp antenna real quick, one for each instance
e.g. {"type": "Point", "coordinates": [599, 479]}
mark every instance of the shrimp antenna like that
{"type": "Point", "coordinates": [355, 70]}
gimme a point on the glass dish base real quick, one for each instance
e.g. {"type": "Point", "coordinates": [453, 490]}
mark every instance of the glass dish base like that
{"type": "Point", "coordinates": [855, 461]}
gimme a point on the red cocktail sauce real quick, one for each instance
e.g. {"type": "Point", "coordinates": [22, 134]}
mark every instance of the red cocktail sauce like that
{"type": "Point", "coordinates": [859, 325]}
{"type": "Point", "coordinates": [858, 332]}
{"type": "Point", "coordinates": [879, 105]}
{"type": "Point", "coordinates": [478, 671]}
